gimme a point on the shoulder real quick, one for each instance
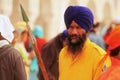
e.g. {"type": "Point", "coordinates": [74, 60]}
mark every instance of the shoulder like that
{"type": "Point", "coordinates": [94, 48]}
{"type": "Point", "coordinates": [63, 51]}
{"type": "Point", "coordinates": [10, 55]}
{"type": "Point", "coordinates": [95, 52]}
{"type": "Point", "coordinates": [97, 49]}
{"type": "Point", "coordinates": [98, 54]}
{"type": "Point", "coordinates": [11, 52]}
{"type": "Point", "coordinates": [48, 46]}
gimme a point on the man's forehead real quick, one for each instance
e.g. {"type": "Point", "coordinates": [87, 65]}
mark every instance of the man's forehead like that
{"type": "Point", "coordinates": [74, 24]}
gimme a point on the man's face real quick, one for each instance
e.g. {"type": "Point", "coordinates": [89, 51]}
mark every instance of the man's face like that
{"type": "Point", "coordinates": [76, 37]}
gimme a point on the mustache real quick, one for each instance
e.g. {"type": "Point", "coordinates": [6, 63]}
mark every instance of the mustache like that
{"type": "Point", "coordinates": [74, 35]}
{"type": "Point", "coordinates": [76, 47]}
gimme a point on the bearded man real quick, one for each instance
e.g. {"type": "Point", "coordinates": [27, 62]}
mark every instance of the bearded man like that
{"type": "Point", "coordinates": [80, 59]}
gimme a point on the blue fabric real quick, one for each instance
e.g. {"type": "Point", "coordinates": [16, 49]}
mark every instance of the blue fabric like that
{"type": "Point", "coordinates": [33, 75]}
{"type": "Point", "coordinates": [38, 31]}
{"type": "Point", "coordinates": [64, 34]}
{"type": "Point", "coordinates": [33, 69]}
{"type": "Point", "coordinates": [97, 39]}
{"type": "Point", "coordinates": [82, 15]}
{"type": "Point", "coordinates": [34, 65]}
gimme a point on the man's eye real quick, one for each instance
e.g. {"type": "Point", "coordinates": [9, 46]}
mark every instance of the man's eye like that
{"type": "Point", "coordinates": [71, 27]}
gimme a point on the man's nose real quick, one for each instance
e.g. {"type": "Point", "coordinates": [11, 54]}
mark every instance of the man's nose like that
{"type": "Point", "coordinates": [74, 31]}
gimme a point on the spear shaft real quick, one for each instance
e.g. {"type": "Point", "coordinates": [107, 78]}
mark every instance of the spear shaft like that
{"type": "Point", "coordinates": [38, 55]}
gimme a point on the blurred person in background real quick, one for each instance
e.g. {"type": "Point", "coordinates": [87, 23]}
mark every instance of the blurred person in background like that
{"type": "Point", "coordinates": [107, 33]}
{"type": "Point", "coordinates": [34, 67]}
{"type": "Point", "coordinates": [113, 24]}
{"type": "Point", "coordinates": [95, 36]}
{"type": "Point", "coordinates": [113, 43]}
{"type": "Point", "coordinates": [18, 43]}
{"type": "Point", "coordinates": [20, 36]}
{"type": "Point", "coordinates": [11, 63]}
{"type": "Point", "coordinates": [50, 53]}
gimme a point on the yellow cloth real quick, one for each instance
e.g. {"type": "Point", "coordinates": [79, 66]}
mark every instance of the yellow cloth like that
{"type": "Point", "coordinates": [84, 66]}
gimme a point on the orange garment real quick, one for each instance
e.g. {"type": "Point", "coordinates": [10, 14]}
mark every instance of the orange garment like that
{"type": "Point", "coordinates": [113, 72]}
{"type": "Point", "coordinates": [113, 39]}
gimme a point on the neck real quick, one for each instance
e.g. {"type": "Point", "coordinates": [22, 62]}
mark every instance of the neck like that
{"type": "Point", "coordinates": [74, 55]}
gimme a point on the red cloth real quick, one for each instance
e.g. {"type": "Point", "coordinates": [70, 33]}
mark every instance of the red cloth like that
{"type": "Point", "coordinates": [40, 43]}
{"type": "Point", "coordinates": [26, 44]}
{"type": "Point", "coordinates": [113, 39]}
{"type": "Point", "coordinates": [115, 61]}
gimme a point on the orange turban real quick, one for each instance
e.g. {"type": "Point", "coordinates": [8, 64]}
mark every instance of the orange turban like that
{"type": "Point", "coordinates": [113, 40]}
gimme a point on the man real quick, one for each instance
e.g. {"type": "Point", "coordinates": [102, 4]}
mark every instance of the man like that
{"type": "Point", "coordinates": [50, 52]}
{"type": "Point", "coordinates": [113, 42]}
{"type": "Point", "coordinates": [80, 59]}
{"type": "Point", "coordinates": [11, 64]}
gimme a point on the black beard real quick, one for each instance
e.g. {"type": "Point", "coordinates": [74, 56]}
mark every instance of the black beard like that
{"type": "Point", "coordinates": [78, 46]}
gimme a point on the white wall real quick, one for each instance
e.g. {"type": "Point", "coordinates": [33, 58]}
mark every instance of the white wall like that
{"type": "Point", "coordinates": [50, 13]}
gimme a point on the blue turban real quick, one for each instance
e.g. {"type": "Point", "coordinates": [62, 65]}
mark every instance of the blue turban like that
{"type": "Point", "coordinates": [64, 34]}
{"type": "Point", "coordinates": [38, 31]}
{"type": "Point", "coordinates": [81, 15]}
